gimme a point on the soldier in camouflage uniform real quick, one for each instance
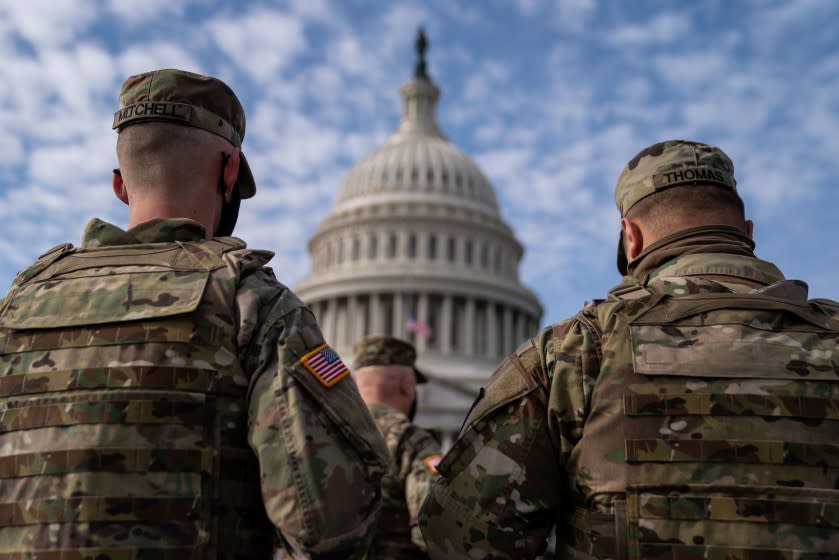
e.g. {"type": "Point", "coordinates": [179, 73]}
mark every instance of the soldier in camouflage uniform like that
{"type": "Point", "coordinates": [387, 378]}
{"type": "Point", "coordinates": [162, 395]}
{"type": "Point", "coordinates": [692, 414]}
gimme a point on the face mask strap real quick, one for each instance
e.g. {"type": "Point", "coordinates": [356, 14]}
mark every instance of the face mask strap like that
{"type": "Point", "coordinates": [229, 208]}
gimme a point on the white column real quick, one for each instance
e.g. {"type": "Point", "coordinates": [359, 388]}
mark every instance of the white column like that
{"type": "Point", "coordinates": [444, 325]}
{"type": "Point", "coordinates": [509, 342]}
{"type": "Point", "coordinates": [354, 321]}
{"type": "Point", "coordinates": [399, 315]}
{"type": "Point", "coordinates": [468, 328]}
{"type": "Point", "coordinates": [422, 315]}
{"type": "Point", "coordinates": [520, 334]}
{"type": "Point", "coordinates": [342, 324]}
{"type": "Point", "coordinates": [376, 323]}
{"type": "Point", "coordinates": [329, 325]}
{"type": "Point", "coordinates": [492, 349]}
{"type": "Point", "coordinates": [321, 313]}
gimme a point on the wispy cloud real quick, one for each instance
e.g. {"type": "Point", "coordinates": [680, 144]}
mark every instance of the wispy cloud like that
{"type": "Point", "coordinates": [46, 23]}
{"type": "Point", "coordinates": [263, 42]}
{"type": "Point", "coordinates": [660, 29]}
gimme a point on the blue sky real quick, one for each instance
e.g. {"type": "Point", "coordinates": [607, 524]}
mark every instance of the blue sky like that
{"type": "Point", "coordinates": [550, 99]}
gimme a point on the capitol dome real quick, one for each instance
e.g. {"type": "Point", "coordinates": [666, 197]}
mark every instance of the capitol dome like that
{"type": "Point", "coordinates": [415, 247]}
{"type": "Point", "coordinates": [420, 162]}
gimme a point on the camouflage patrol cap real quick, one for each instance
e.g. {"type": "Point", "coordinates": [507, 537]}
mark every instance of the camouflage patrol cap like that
{"type": "Point", "coordinates": [381, 350]}
{"type": "Point", "coordinates": [673, 163]}
{"type": "Point", "coordinates": [190, 99]}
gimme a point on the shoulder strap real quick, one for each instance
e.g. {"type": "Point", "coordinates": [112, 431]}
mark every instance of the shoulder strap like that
{"type": "Point", "coordinates": [628, 299]}
{"type": "Point", "coordinates": [223, 244]}
{"type": "Point", "coordinates": [208, 252]}
{"type": "Point", "coordinates": [43, 262]}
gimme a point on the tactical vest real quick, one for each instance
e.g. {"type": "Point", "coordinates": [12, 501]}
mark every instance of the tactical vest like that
{"type": "Point", "coordinates": [123, 416]}
{"type": "Point", "coordinates": [717, 414]}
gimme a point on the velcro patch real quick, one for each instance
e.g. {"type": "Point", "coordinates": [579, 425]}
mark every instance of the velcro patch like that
{"type": "Point", "coordinates": [432, 461]}
{"type": "Point", "coordinates": [325, 364]}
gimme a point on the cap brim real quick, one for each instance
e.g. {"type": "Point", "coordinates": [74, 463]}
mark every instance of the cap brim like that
{"type": "Point", "coordinates": [247, 186]}
{"type": "Point", "coordinates": [420, 376]}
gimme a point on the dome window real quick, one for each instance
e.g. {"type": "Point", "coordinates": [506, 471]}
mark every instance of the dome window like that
{"type": "Point", "coordinates": [356, 248]}
{"type": "Point", "coordinates": [412, 246]}
{"type": "Point", "coordinates": [445, 177]}
{"type": "Point", "coordinates": [485, 255]}
{"type": "Point", "coordinates": [458, 180]}
{"type": "Point", "coordinates": [414, 175]}
{"type": "Point", "coordinates": [451, 250]}
{"type": "Point", "coordinates": [467, 252]}
{"type": "Point", "coordinates": [373, 247]}
{"type": "Point", "coordinates": [432, 247]}
{"type": "Point", "coordinates": [429, 175]}
{"type": "Point", "coordinates": [398, 175]}
{"type": "Point", "coordinates": [391, 246]}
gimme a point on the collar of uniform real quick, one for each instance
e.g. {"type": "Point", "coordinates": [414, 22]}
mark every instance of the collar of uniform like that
{"type": "Point", "coordinates": [727, 264]}
{"type": "Point", "coordinates": [98, 233]}
{"type": "Point", "coordinates": [697, 240]}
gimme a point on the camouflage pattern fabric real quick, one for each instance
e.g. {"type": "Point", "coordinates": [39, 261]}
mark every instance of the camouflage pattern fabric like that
{"type": "Point", "coordinates": [692, 417]}
{"type": "Point", "coordinates": [670, 164]}
{"type": "Point", "coordinates": [154, 404]}
{"type": "Point", "coordinates": [414, 454]}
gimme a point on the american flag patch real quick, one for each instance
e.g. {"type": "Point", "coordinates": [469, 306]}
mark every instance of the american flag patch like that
{"type": "Point", "coordinates": [325, 364]}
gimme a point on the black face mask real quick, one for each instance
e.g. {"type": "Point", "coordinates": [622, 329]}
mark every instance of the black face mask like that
{"type": "Point", "coordinates": [229, 209]}
{"type": "Point", "coordinates": [413, 410]}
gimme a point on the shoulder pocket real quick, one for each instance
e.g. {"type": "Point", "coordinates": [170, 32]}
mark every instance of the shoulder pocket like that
{"type": "Point", "coordinates": [327, 379]}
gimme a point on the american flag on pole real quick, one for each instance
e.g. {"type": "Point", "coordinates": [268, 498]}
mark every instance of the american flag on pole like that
{"type": "Point", "coordinates": [418, 327]}
{"type": "Point", "coordinates": [325, 364]}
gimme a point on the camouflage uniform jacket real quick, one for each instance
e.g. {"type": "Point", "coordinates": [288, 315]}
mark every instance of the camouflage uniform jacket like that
{"type": "Point", "coordinates": [692, 415]}
{"type": "Point", "coordinates": [414, 454]}
{"type": "Point", "coordinates": [159, 400]}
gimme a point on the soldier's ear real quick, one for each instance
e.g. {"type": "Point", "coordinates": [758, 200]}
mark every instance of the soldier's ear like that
{"type": "Point", "coordinates": [119, 186]}
{"type": "Point", "coordinates": [750, 229]}
{"type": "Point", "coordinates": [633, 238]}
{"type": "Point", "coordinates": [231, 172]}
{"type": "Point", "coordinates": [406, 385]}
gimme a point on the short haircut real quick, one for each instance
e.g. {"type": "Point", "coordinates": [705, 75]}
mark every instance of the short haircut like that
{"type": "Point", "coordinates": [164, 153]}
{"type": "Point", "coordinates": [675, 208]}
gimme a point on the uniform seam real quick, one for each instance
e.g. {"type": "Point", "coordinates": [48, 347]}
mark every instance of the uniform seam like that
{"type": "Point", "coordinates": [299, 483]}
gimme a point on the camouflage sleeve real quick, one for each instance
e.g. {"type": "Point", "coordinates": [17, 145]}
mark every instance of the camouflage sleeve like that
{"type": "Point", "coordinates": [321, 456]}
{"type": "Point", "coordinates": [418, 464]}
{"type": "Point", "coordinates": [499, 488]}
